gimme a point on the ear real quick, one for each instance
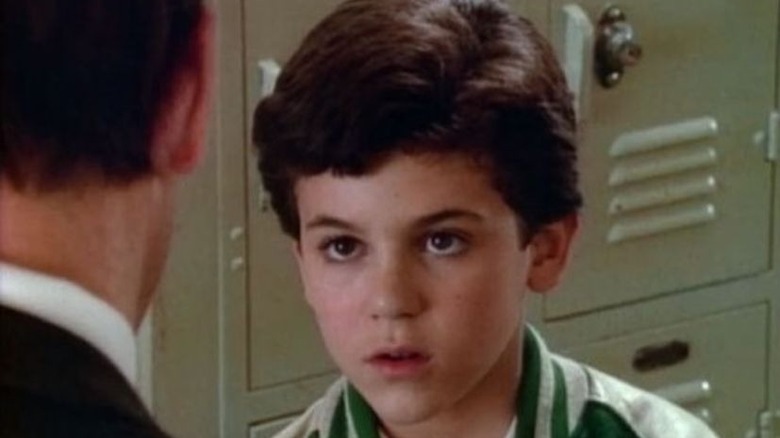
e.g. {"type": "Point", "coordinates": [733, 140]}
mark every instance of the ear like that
{"type": "Point", "coordinates": [179, 132]}
{"type": "Point", "coordinates": [549, 249]}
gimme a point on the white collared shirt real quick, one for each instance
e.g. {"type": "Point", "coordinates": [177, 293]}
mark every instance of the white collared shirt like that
{"type": "Point", "coordinates": [70, 307]}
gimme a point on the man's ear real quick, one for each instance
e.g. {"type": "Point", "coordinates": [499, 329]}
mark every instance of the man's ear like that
{"type": "Point", "coordinates": [179, 131]}
{"type": "Point", "coordinates": [549, 249]}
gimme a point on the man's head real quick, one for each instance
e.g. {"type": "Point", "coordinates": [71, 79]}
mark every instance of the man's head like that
{"type": "Point", "coordinates": [104, 107]}
{"type": "Point", "coordinates": [464, 76]}
{"type": "Point", "coordinates": [85, 83]}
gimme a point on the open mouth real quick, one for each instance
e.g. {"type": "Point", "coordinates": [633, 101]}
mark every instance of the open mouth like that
{"type": "Point", "coordinates": [399, 356]}
{"type": "Point", "coordinates": [399, 362]}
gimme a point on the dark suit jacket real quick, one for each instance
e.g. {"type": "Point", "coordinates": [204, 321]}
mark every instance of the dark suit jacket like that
{"type": "Point", "coordinates": [53, 384]}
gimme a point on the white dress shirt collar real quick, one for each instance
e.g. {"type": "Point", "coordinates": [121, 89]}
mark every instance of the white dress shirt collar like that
{"type": "Point", "coordinates": [72, 308]}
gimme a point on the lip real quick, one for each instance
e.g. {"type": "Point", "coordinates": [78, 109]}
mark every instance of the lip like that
{"type": "Point", "coordinates": [399, 362]}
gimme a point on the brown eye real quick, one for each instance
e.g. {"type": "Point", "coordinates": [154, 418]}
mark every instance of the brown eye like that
{"type": "Point", "coordinates": [445, 243]}
{"type": "Point", "coordinates": [341, 249]}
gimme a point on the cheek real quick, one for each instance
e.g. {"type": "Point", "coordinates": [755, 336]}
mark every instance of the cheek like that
{"type": "Point", "coordinates": [487, 297]}
{"type": "Point", "coordinates": [338, 321]}
{"type": "Point", "coordinates": [489, 282]}
{"type": "Point", "coordinates": [336, 308]}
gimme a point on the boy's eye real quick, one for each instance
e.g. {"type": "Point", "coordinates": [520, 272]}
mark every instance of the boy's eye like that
{"type": "Point", "coordinates": [341, 248]}
{"type": "Point", "coordinates": [444, 243]}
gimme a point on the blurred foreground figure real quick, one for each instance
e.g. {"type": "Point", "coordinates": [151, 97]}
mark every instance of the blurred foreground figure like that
{"type": "Point", "coordinates": [104, 107]}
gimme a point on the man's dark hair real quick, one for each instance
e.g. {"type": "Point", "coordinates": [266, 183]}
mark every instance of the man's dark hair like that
{"type": "Point", "coordinates": [82, 83]}
{"type": "Point", "coordinates": [464, 76]}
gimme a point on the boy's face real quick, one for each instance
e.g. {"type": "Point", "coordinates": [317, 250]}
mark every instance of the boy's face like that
{"type": "Point", "coordinates": [416, 275]}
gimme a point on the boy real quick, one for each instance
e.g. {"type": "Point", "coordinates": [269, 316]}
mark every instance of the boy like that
{"type": "Point", "coordinates": [422, 155]}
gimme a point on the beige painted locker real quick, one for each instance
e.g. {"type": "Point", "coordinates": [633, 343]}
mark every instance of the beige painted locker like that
{"type": "Point", "coordinates": [283, 343]}
{"type": "Point", "coordinates": [678, 190]}
{"type": "Point", "coordinates": [713, 366]}
{"type": "Point", "coordinates": [278, 364]}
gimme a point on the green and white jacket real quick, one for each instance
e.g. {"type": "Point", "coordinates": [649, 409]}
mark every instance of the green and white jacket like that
{"type": "Point", "coordinates": [558, 398]}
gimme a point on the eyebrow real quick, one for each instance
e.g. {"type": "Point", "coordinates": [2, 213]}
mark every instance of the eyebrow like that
{"type": "Point", "coordinates": [325, 221]}
{"type": "Point", "coordinates": [448, 214]}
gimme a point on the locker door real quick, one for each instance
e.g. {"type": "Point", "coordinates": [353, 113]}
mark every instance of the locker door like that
{"type": "Point", "coordinates": [282, 340]}
{"type": "Point", "coordinates": [676, 181]}
{"type": "Point", "coordinates": [273, 362]}
{"type": "Point", "coordinates": [713, 366]}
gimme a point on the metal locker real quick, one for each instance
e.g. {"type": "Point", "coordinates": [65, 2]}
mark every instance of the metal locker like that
{"type": "Point", "coordinates": [283, 341]}
{"type": "Point", "coordinates": [676, 181]}
{"type": "Point", "coordinates": [704, 365]}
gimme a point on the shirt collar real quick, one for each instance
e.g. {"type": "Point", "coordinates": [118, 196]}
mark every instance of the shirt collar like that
{"type": "Point", "coordinates": [72, 308]}
{"type": "Point", "coordinates": [542, 408]}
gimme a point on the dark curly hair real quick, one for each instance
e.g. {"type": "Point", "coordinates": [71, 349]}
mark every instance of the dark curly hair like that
{"type": "Point", "coordinates": [382, 76]}
{"type": "Point", "coordinates": [82, 82]}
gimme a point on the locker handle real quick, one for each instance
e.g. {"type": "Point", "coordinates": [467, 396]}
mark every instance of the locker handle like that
{"type": "Point", "coordinates": [688, 393]}
{"type": "Point", "coordinates": [653, 357]}
{"type": "Point", "coordinates": [575, 47]}
{"type": "Point", "coordinates": [268, 71]}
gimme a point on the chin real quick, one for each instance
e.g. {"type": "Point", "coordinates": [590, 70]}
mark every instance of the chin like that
{"type": "Point", "coordinates": [400, 407]}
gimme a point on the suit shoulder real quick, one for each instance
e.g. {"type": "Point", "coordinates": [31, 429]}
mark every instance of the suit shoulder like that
{"type": "Point", "coordinates": [31, 414]}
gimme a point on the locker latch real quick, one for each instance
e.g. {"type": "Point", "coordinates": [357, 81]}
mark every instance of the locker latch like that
{"type": "Point", "coordinates": [773, 136]}
{"type": "Point", "coordinates": [769, 140]}
{"type": "Point", "coordinates": [616, 47]}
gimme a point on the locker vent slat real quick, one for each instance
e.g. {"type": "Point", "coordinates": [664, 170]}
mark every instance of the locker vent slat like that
{"type": "Point", "coordinates": [663, 179]}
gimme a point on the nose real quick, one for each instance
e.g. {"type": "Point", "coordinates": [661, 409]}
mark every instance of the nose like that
{"type": "Point", "coordinates": [396, 293]}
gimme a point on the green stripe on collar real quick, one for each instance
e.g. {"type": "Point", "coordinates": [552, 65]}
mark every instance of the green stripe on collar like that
{"type": "Point", "coordinates": [338, 425]}
{"type": "Point", "coordinates": [601, 420]}
{"type": "Point", "coordinates": [560, 413]}
{"type": "Point", "coordinates": [361, 414]}
{"type": "Point", "coordinates": [528, 392]}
